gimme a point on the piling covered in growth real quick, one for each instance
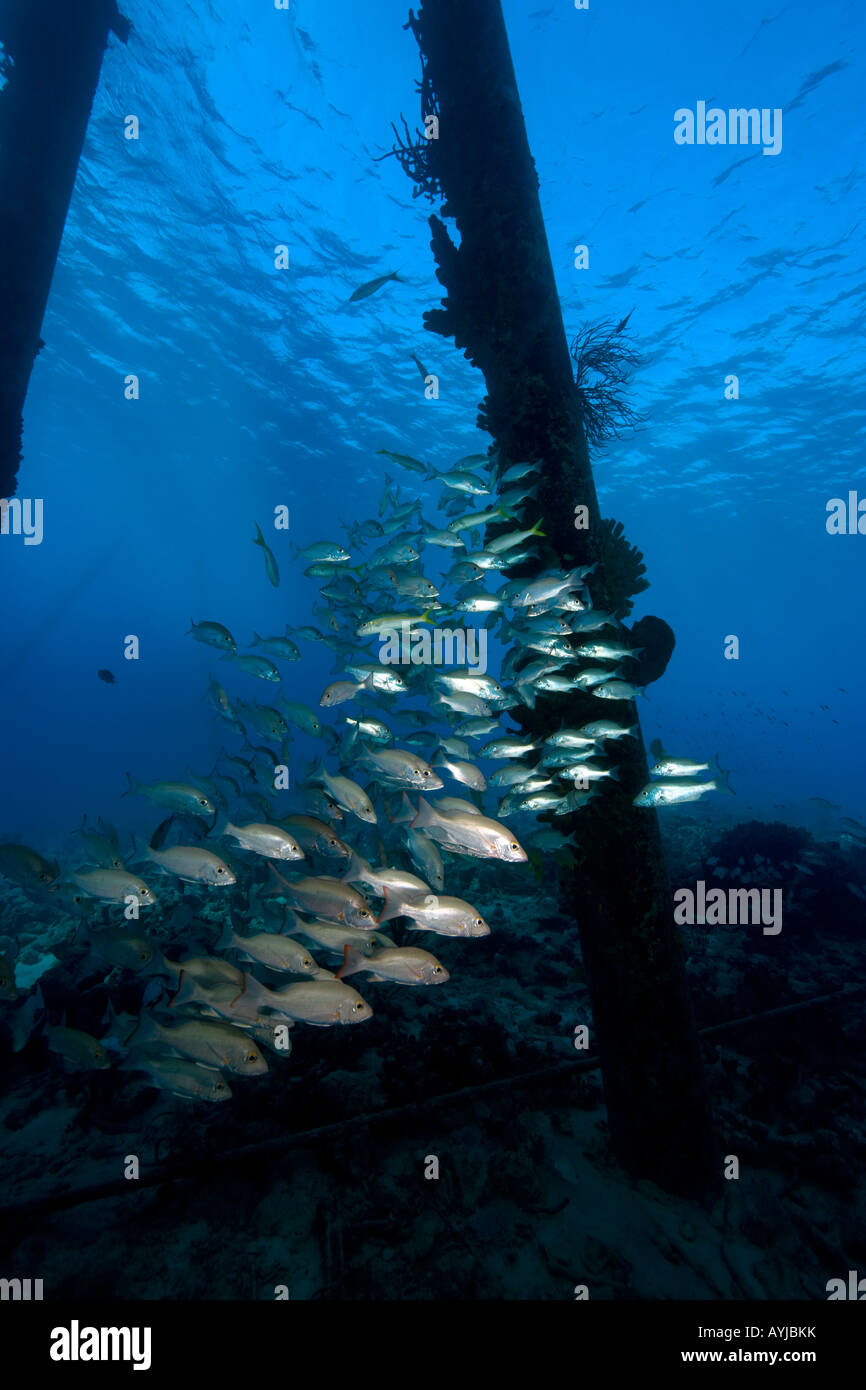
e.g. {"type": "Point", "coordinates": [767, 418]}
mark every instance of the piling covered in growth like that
{"type": "Point", "coordinates": [51, 58]}
{"type": "Point", "coordinates": [502, 308]}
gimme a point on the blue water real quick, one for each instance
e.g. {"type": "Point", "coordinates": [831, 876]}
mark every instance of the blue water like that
{"type": "Point", "coordinates": [262, 387]}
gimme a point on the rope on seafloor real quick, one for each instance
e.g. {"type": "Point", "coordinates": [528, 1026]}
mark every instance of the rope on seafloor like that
{"type": "Point", "coordinates": [169, 1172]}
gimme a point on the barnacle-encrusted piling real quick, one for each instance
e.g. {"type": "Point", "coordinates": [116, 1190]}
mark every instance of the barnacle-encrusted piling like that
{"type": "Point", "coordinates": [502, 308]}
{"type": "Point", "coordinates": [52, 54]}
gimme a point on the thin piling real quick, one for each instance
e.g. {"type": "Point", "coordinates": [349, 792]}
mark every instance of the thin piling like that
{"type": "Point", "coordinates": [502, 308]}
{"type": "Point", "coordinates": [52, 59]}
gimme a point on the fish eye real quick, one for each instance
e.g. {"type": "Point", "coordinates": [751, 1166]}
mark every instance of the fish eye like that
{"type": "Point", "coordinates": [306, 962]}
{"type": "Point", "coordinates": [426, 772]}
{"type": "Point", "coordinates": [479, 921]}
{"type": "Point", "coordinates": [252, 1056]}
{"type": "Point", "coordinates": [202, 801]}
{"type": "Point", "coordinates": [437, 969]}
{"type": "Point", "coordinates": [514, 845]}
{"type": "Point", "coordinates": [221, 870]}
{"type": "Point", "coordinates": [144, 955]}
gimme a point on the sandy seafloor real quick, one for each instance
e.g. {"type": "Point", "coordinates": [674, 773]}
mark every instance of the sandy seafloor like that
{"type": "Point", "coordinates": [529, 1202]}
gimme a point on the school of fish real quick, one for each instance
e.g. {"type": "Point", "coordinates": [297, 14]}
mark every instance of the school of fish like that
{"type": "Point", "coordinates": [395, 730]}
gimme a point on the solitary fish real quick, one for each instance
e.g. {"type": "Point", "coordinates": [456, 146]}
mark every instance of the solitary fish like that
{"type": "Point", "coordinates": [675, 793]}
{"type": "Point", "coordinates": [204, 1040]}
{"type": "Point", "coordinates": [465, 834]}
{"type": "Point", "coordinates": [271, 568]}
{"type": "Point", "coordinates": [26, 866]}
{"type": "Point", "coordinates": [392, 622]}
{"type": "Point", "coordinates": [338, 692]}
{"type": "Point", "coordinates": [258, 666]}
{"type": "Point", "coordinates": [283, 648]}
{"type": "Point", "coordinates": [213, 635]}
{"type": "Point", "coordinates": [405, 965]}
{"type": "Point", "coordinates": [666, 766]}
{"type": "Point", "coordinates": [447, 916]}
{"type": "Point", "coordinates": [77, 1048]}
{"type": "Point", "coordinates": [350, 796]}
{"type": "Point", "coordinates": [301, 716]}
{"type": "Point", "coordinates": [269, 841]}
{"type": "Point", "coordinates": [178, 796]}
{"type": "Point", "coordinates": [397, 767]}
{"type": "Point", "coordinates": [270, 949]}
{"type": "Point", "coordinates": [107, 677]}
{"type": "Point", "coordinates": [316, 836]}
{"type": "Point", "coordinates": [464, 482]}
{"type": "Point", "coordinates": [467, 773]}
{"type": "Point", "coordinates": [192, 864]}
{"type": "Point", "coordinates": [325, 897]}
{"type": "Point", "coordinates": [617, 690]}
{"type": "Point", "coordinates": [371, 286]}
{"type": "Point", "coordinates": [406, 461]}
{"type": "Point", "coordinates": [114, 885]}
{"type": "Point", "coordinates": [182, 1077]}
{"type": "Point", "coordinates": [426, 857]}
{"type": "Point", "coordinates": [121, 948]}
{"type": "Point", "coordinates": [321, 1002]}
{"type": "Point", "coordinates": [326, 551]}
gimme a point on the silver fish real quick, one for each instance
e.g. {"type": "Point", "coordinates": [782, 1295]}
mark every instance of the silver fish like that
{"type": "Point", "coordinates": [465, 834]}
{"type": "Point", "coordinates": [270, 841]}
{"type": "Point", "coordinates": [114, 885]}
{"type": "Point", "coordinates": [405, 965]}
{"type": "Point", "coordinates": [446, 916]}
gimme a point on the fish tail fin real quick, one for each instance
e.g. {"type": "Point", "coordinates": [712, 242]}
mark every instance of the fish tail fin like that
{"type": "Point", "coordinates": [614, 772]}
{"type": "Point", "coordinates": [131, 788]}
{"type": "Point", "coordinates": [406, 814]}
{"type": "Point", "coordinates": [257, 640]}
{"type": "Point", "coordinates": [657, 749]}
{"type": "Point", "coordinates": [358, 868]}
{"type": "Point", "coordinates": [191, 627]}
{"type": "Point", "coordinates": [352, 961]}
{"type": "Point", "coordinates": [157, 840]}
{"type": "Point", "coordinates": [390, 911]}
{"type": "Point", "coordinates": [526, 693]}
{"type": "Point", "coordinates": [29, 1018]}
{"type": "Point", "coordinates": [258, 539]}
{"type": "Point", "coordinates": [350, 741]}
{"type": "Point", "coordinates": [536, 529]}
{"type": "Point", "coordinates": [144, 1031]}
{"type": "Point", "coordinates": [721, 776]}
{"type": "Point", "coordinates": [225, 937]}
{"type": "Point", "coordinates": [278, 883]}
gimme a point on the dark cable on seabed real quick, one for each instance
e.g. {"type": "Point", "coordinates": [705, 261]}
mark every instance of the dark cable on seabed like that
{"type": "Point", "coordinates": [73, 1197]}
